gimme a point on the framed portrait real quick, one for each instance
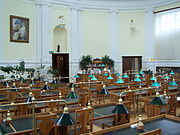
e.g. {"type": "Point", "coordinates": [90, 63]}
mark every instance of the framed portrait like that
{"type": "Point", "coordinates": [19, 29]}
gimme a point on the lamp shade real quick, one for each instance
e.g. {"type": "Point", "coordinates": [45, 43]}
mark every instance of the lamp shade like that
{"type": "Point", "coordinates": [137, 79]}
{"type": "Point", "coordinates": [125, 76]}
{"type": "Point", "coordinates": [120, 109]}
{"type": "Point", "coordinates": [137, 75]}
{"type": "Point", "coordinates": [166, 77]}
{"type": "Point", "coordinates": [21, 79]}
{"type": "Point", "coordinates": [173, 83]}
{"type": "Point", "coordinates": [172, 73]}
{"type": "Point", "coordinates": [32, 81]}
{"type": "Point", "coordinates": [105, 74]}
{"type": "Point", "coordinates": [141, 72]}
{"type": "Point", "coordinates": [72, 94]}
{"type": "Point", "coordinates": [30, 98]}
{"type": "Point", "coordinates": [104, 90]}
{"type": "Point", "coordinates": [14, 87]}
{"type": "Point", "coordinates": [65, 119]}
{"type": "Point", "coordinates": [54, 80]}
{"type": "Point", "coordinates": [153, 78]}
{"type": "Point", "coordinates": [5, 83]}
{"type": "Point", "coordinates": [76, 76]}
{"type": "Point", "coordinates": [90, 75]}
{"type": "Point", "coordinates": [117, 74]}
{"type": "Point", "coordinates": [119, 81]}
{"type": "Point", "coordinates": [110, 77]}
{"type": "Point", "coordinates": [157, 100]}
{"type": "Point", "coordinates": [94, 78]}
{"type": "Point", "coordinates": [46, 86]}
{"type": "Point", "coordinates": [155, 84]}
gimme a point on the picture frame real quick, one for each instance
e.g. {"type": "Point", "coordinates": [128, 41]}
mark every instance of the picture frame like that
{"type": "Point", "coordinates": [19, 29]}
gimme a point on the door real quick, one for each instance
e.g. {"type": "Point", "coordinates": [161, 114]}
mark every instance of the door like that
{"type": "Point", "coordinates": [60, 61]}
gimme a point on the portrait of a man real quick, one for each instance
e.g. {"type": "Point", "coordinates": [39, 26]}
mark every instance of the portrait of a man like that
{"type": "Point", "coordinates": [19, 29]}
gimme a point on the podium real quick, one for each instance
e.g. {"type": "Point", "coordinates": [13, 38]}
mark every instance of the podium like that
{"type": "Point", "coordinates": [60, 61]}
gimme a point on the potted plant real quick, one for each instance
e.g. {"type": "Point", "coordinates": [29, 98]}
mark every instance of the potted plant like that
{"type": "Point", "coordinates": [107, 61]}
{"type": "Point", "coordinates": [85, 61]}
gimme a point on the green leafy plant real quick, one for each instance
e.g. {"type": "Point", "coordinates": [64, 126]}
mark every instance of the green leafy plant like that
{"type": "Point", "coordinates": [54, 72]}
{"type": "Point", "coordinates": [107, 61]}
{"type": "Point", "coordinates": [7, 69]}
{"type": "Point", "coordinates": [85, 61]}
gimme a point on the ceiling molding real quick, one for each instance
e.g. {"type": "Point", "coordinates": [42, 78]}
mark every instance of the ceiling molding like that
{"type": "Point", "coordinates": [109, 4]}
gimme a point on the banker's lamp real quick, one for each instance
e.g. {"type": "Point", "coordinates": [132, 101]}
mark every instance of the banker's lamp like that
{"type": "Point", "coordinates": [157, 100]}
{"type": "Point", "coordinates": [173, 83]}
{"type": "Point", "coordinates": [65, 119]}
{"type": "Point", "coordinates": [104, 90]}
{"type": "Point", "coordinates": [120, 108]}
{"type": "Point", "coordinates": [119, 80]}
{"type": "Point", "coordinates": [72, 94]}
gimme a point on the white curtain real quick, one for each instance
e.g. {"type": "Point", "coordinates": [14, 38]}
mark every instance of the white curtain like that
{"type": "Point", "coordinates": [167, 35]}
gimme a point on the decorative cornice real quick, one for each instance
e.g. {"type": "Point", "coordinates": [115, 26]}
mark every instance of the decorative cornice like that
{"type": "Point", "coordinates": [105, 4]}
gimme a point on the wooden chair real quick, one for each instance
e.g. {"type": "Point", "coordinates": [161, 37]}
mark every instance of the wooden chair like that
{"type": "Point", "coordinates": [131, 96]}
{"type": "Point", "coordinates": [153, 132]}
{"type": "Point", "coordinates": [84, 120]}
{"type": "Point", "coordinates": [46, 124]}
{"type": "Point", "coordinates": [171, 104]}
{"type": "Point", "coordinates": [83, 99]}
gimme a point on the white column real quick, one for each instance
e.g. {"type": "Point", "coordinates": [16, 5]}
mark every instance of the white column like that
{"type": "Point", "coordinates": [149, 34]}
{"type": "Point", "coordinates": [45, 42]}
{"type": "Point", "coordinates": [149, 39]}
{"type": "Point", "coordinates": [1, 30]}
{"type": "Point", "coordinates": [75, 34]}
{"type": "Point", "coordinates": [38, 32]}
{"type": "Point", "coordinates": [75, 39]}
{"type": "Point", "coordinates": [113, 35]}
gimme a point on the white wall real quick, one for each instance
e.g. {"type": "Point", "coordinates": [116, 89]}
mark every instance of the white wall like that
{"type": "Point", "coordinates": [95, 33]}
{"type": "Point", "coordinates": [14, 51]}
{"type": "Point", "coordinates": [90, 29]}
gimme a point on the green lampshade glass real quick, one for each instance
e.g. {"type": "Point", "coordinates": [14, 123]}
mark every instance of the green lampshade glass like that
{"type": "Point", "coordinates": [110, 77]}
{"type": "Point", "coordinates": [141, 72]}
{"type": "Point", "coordinates": [155, 84]}
{"type": "Point", "coordinates": [158, 101]}
{"type": "Point", "coordinates": [153, 78]}
{"type": "Point", "coordinates": [173, 83]}
{"type": "Point", "coordinates": [72, 95]}
{"type": "Point", "coordinates": [90, 75]}
{"type": "Point", "coordinates": [65, 120]}
{"type": "Point", "coordinates": [119, 81]}
{"type": "Point", "coordinates": [125, 76]}
{"type": "Point", "coordinates": [94, 79]}
{"type": "Point", "coordinates": [172, 73]}
{"type": "Point", "coordinates": [137, 75]}
{"type": "Point", "coordinates": [104, 91]}
{"type": "Point", "coordinates": [137, 79]}
{"type": "Point", "coordinates": [166, 77]}
{"type": "Point", "coordinates": [120, 109]}
{"type": "Point", "coordinates": [14, 88]}
{"type": "Point", "coordinates": [46, 87]}
{"type": "Point", "coordinates": [105, 74]}
{"type": "Point", "coordinates": [76, 76]}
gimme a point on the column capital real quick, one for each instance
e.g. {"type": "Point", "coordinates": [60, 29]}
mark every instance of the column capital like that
{"type": "Point", "coordinates": [149, 10]}
{"type": "Point", "coordinates": [113, 11]}
{"type": "Point", "coordinates": [75, 8]}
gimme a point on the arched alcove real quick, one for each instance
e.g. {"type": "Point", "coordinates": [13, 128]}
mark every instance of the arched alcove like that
{"type": "Point", "coordinates": [60, 38]}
